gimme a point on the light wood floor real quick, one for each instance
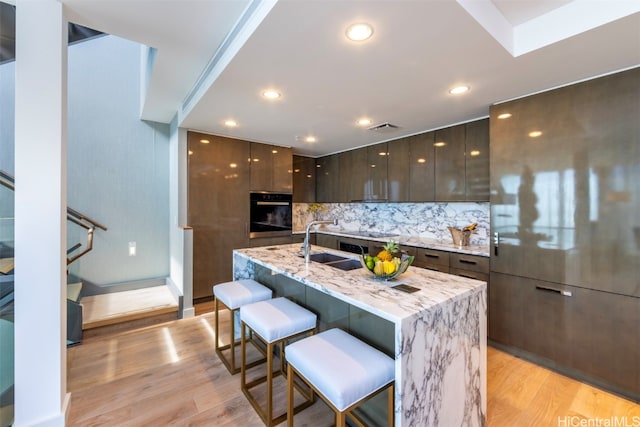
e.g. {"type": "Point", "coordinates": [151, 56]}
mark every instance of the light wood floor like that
{"type": "Point", "coordinates": [169, 374]}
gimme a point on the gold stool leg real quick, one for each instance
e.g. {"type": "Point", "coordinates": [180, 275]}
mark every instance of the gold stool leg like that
{"type": "Point", "coordinates": [290, 413]}
{"type": "Point", "coordinates": [390, 408]}
{"type": "Point", "coordinates": [232, 341]}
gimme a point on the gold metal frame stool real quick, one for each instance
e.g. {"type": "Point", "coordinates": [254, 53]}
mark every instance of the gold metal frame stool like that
{"type": "Point", "coordinates": [232, 296]}
{"type": "Point", "coordinates": [273, 322]}
{"type": "Point", "coordinates": [344, 371]}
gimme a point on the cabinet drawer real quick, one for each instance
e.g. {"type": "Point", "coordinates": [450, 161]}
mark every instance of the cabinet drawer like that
{"type": "Point", "coordinates": [470, 263]}
{"type": "Point", "coordinates": [432, 257]}
{"type": "Point", "coordinates": [470, 274]}
{"type": "Point", "coordinates": [428, 266]}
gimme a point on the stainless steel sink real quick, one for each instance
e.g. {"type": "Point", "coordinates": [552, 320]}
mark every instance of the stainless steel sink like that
{"type": "Point", "coordinates": [336, 261]}
{"type": "Point", "coordinates": [346, 265]}
{"type": "Point", "coordinates": [324, 257]}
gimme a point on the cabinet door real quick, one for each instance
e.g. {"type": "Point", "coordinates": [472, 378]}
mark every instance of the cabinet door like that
{"type": "Point", "coordinates": [477, 161]}
{"type": "Point", "coordinates": [422, 168]}
{"type": "Point", "coordinates": [282, 169]}
{"type": "Point", "coordinates": [261, 167]}
{"type": "Point", "coordinates": [327, 179]}
{"type": "Point", "coordinates": [376, 178]}
{"type": "Point", "coordinates": [353, 175]}
{"type": "Point", "coordinates": [450, 164]}
{"type": "Point", "coordinates": [271, 168]}
{"type": "Point", "coordinates": [304, 179]}
{"type": "Point", "coordinates": [398, 174]}
{"type": "Point", "coordinates": [218, 207]}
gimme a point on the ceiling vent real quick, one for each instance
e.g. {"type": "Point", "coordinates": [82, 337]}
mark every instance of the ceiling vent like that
{"type": "Point", "coordinates": [384, 128]}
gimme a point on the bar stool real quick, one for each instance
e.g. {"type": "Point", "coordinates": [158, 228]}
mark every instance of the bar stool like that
{"type": "Point", "coordinates": [344, 371]}
{"type": "Point", "coordinates": [234, 295]}
{"type": "Point", "coordinates": [274, 322]}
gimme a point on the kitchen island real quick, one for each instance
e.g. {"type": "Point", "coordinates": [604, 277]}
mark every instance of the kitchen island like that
{"type": "Point", "coordinates": [436, 334]}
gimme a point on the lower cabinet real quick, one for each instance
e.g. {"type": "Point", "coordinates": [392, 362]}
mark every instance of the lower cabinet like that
{"type": "Point", "coordinates": [592, 335]}
{"type": "Point", "coordinates": [327, 241]}
{"type": "Point", "coordinates": [270, 241]}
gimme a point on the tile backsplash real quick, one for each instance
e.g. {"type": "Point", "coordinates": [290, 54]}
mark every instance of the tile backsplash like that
{"type": "Point", "coordinates": [425, 220]}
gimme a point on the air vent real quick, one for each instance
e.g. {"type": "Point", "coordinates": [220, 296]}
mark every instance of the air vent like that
{"type": "Point", "coordinates": [384, 128]}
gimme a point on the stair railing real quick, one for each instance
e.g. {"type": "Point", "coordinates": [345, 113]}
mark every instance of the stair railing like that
{"type": "Point", "coordinates": [73, 215]}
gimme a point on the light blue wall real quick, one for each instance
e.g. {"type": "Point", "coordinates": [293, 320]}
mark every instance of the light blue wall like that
{"type": "Point", "coordinates": [118, 165]}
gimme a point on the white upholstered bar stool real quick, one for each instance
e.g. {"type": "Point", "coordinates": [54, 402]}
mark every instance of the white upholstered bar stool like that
{"type": "Point", "coordinates": [274, 322]}
{"type": "Point", "coordinates": [342, 370]}
{"type": "Point", "coordinates": [234, 295]}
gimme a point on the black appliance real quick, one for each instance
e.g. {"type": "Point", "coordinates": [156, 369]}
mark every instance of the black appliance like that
{"type": "Point", "coordinates": [270, 215]}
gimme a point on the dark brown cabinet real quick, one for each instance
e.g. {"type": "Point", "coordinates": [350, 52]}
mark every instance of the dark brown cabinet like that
{"type": "Point", "coordinates": [304, 179]}
{"type": "Point", "coordinates": [422, 167]}
{"type": "Point", "coordinates": [271, 168]}
{"type": "Point", "coordinates": [363, 174]}
{"type": "Point", "coordinates": [326, 240]}
{"type": "Point", "coordinates": [450, 164]}
{"type": "Point", "coordinates": [327, 179]}
{"type": "Point", "coordinates": [399, 169]}
{"type": "Point", "coordinates": [565, 202]}
{"type": "Point", "coordinates": [477, 161]}
{"type": "Point", "coordinates": [218, 210]}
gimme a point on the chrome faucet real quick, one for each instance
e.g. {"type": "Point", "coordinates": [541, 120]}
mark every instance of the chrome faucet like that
{"type": "Point", "coordinates": [306, 247]}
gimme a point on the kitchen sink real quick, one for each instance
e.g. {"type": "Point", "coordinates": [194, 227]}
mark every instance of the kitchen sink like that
{"type": "Point", "coordinates": [324, 257]}
{"type": "Point", "coordinates": [346, 265]}
{"type": "Point", "coordinates": [336, 261]}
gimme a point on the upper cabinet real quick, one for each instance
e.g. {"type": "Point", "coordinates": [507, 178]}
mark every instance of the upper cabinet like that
{"type": "Point", "coordinates": [327, 179]}
{"type": "Point", "coordinates": [271, 168]}
{"type": "Point", "coordinates": [450, 164]}
{"type": "Point", "coordinates": [304, 179]}
{"type": "Point", "coordinates": [477, 160]}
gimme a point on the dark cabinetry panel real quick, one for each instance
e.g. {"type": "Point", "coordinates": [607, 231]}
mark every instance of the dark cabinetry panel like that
{"type": "Point", "coordinates": [218, 207]}
{"type": "Point", "coordinates": [271, 168]}
{"type": "Point", "coordinates": [591, 333]}
{"type": "Point", "coordinates": [450, 164]}
{"type": "Point", "coordinates": [363, 174]}
{"type": "Point", "coordinates": [398, 170]}
{"type": "Point", "coordinates": [326, 241]}
{"type": "Point", "coordinates": [327, 179]}
{"type": "Point", "coordinates": [422, 167]}
{"type": "Point", "coordinates": [304, 179]}
{"type": "Point", "coordinates": [477, 160]}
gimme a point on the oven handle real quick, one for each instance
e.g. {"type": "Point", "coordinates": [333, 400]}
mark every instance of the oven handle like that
{"type": "Point", "coordinates": [273, 203]}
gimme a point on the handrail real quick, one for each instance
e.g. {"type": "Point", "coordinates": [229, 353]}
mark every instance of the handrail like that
{"type": "Point", "coordinates": [73, 215]}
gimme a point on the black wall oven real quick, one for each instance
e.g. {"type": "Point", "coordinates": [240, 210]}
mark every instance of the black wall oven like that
{"type": "Point", "coordinates": [270, 215]}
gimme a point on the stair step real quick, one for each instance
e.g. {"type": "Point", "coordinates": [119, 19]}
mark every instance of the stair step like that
{"type": "Point", "coordinates": [73, 291]}
{"type": "Point", "coordinates": [119, 307]}
{"type": "Point", "coordinates": [6, 265]}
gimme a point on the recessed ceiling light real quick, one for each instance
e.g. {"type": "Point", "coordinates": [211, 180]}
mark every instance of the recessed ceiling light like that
{"type": "Point", "coordinates": [459, 90]}
{"type": "Point", "coordinates": [364, 121]}
{"type": "Point", "coordinates": [440, 144]}
{"type": "Point", "coordinates": [271, 94]}
{"type": "Point", "coordinates": [310, 138]}
{"type": "Point", "coordinates": [359, 32]}
{"type": "Point", "coordinates": [205, 141]}
{"type": "Point", "coordinates": [230, 123]}
{"type": "Point", "coordinates": [535, 134]}
{"type": "Point", "coordinates": [504, 116]}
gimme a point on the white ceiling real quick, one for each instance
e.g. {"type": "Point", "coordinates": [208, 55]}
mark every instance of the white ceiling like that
{"type": "Point", "coordinates": [213, 59]}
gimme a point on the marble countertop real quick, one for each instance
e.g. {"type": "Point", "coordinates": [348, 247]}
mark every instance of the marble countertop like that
{"type": "Point", "coordinates": [416, 241]}
{"type": "Point", "coordinates": [359, 288]}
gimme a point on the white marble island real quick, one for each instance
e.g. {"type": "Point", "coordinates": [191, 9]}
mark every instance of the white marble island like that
{"type": "Point", "coordinates": [439, 331]}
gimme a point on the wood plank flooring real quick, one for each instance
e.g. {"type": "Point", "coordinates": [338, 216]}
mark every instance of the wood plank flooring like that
{"type": "Point", "coordinates": [169, 374]}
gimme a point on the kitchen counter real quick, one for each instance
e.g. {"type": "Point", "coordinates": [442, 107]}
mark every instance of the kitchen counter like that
{"type": "Point", "coordinates": [439, 339]}
{"type": "Point", "coordinates": [405, 240]}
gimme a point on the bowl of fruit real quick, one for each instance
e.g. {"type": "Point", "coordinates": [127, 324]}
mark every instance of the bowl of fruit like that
{"type": "Point", "coordinates": [388, 263]}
